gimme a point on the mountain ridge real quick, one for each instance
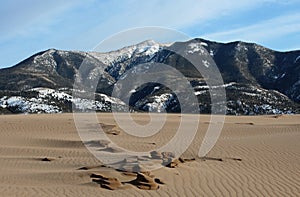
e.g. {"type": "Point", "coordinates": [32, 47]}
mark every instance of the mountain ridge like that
{"type": "Point", "coordinates": [250, 66]}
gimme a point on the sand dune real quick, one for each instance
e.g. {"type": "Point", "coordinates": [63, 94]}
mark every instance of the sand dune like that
{"type": "Point", "coordinates": [42, 155]}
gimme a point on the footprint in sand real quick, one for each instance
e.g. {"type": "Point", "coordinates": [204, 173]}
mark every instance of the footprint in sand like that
{"type": "Point", "coordinates": [219, 159]}
{"type": "Point", "coordinates": [142, 181]}
{"type": "Point", "coordinates": [97, 143]}
{"type": "Point", "coordinates": [106, 182]}
{"type": "Point", "coordinates": [47, 159]}
{"type": "Point", "coordinates": [168, 159]}
{"type": "Point", "coordinates": [103, 145]}
{"type": "Point", "coordinates": [132, 168]}
{"type": "Point", "coordinates": [111, 150]}
{"type": "Point", "coordinates": [110, 129]}
{"type": "Point", "coordinates": [145, 182]}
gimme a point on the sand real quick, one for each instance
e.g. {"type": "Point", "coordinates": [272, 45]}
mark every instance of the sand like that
{"type": "Point", "coordinates": [42, 155]}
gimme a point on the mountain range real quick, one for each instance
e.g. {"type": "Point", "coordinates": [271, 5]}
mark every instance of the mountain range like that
{"type": "Point", "coordinates": [257, 80]}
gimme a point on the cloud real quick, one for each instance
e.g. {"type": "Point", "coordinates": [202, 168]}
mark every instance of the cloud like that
{"type": "Point", "coordinates": [264, 31]}
{"type": "Point", "coordinates": [167, 13]}
{"type": "Point", "coordinates": [175, 14]}
{"type": "Point", "coordinates": [33, 25]}
{"type": "Point", "coordinates": [33, 18]}
{"type": "Point", "coordinates": [29, 18]}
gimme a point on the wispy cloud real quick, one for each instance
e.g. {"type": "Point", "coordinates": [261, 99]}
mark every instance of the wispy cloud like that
{"type": "Point", "coordinates": [32, 25]}
{"type": "Point", "coordinates": [168, 13]}
{"type": "Point", "coordinates": [263, 31]}
{"type": "Point", "coordinates": [30, 18]}
{"type": "Point", "coordinates": [34, 17]}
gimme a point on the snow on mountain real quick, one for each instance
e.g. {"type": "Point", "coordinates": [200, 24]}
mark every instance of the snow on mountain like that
{"type": "Point", "coordinates": [54, 101]}
{"type": "Point", "coordinates": [197, 47]}
{"type": "Point", "coordinates": [47, 92]}
{"type": "Point", "coordinates": [297, 59]}
{"type": "Point", "coordinates": [25, 105]}
{"type": "Point", "coordinates": [206, 63]}
{"type": "Point", "coordinates": [252, 74]}
{"type": "Point", "coordinates": [148, 48]}
{"type": "Point", "coordinates": [118, 61]}
{"type": "Point", "coordinates": [158, 103]}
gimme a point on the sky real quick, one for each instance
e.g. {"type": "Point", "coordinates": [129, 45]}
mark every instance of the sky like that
{"type": "Point", "coordinates": [30, 26]}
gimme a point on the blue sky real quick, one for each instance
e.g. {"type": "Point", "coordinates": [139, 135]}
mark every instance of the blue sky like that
{"type": "Point", "coordinates": [29, 26]}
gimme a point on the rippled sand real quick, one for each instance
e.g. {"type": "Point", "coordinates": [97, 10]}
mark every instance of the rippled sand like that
{"type": "Point", "coordinates": [42, 155]}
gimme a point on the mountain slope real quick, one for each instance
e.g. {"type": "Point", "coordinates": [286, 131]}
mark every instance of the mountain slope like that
{"type": "Point", "coordinates": [257, 80]}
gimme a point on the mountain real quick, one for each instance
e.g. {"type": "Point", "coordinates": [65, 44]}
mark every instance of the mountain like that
{"type": "Point", "coordinates": [257, 80]}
